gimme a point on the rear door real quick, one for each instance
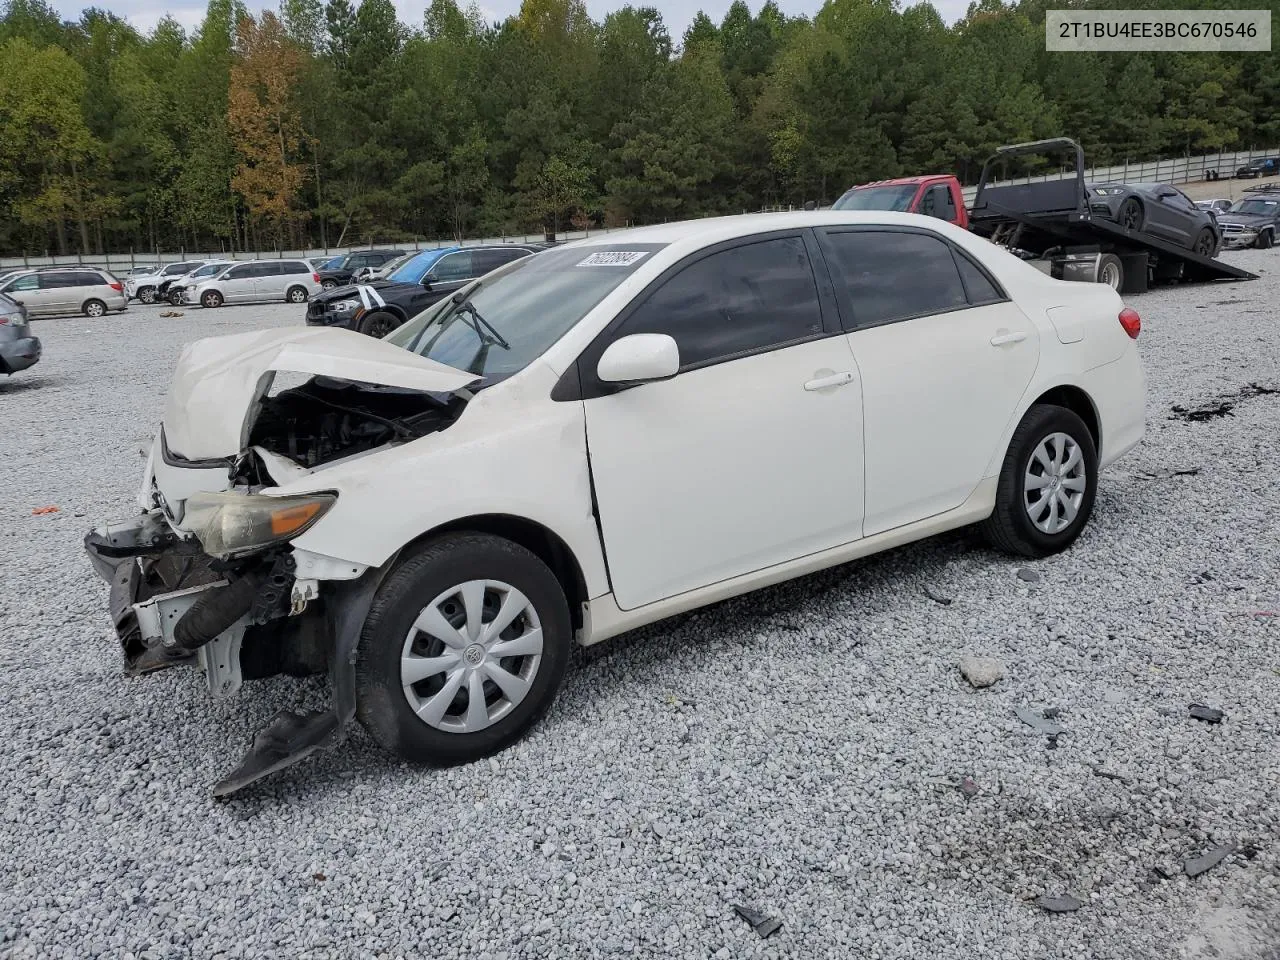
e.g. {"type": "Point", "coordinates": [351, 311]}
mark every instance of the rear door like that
{"type": "Point", "coordinates": [944, 357]}
{"type": "Point", "coordinates": [270, 279]}
{"type": "Point", "coordinates": [56, 292]}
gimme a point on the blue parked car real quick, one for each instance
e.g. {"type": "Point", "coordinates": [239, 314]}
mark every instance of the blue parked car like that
{"type": "Point", "coordinates": [1266, 167]}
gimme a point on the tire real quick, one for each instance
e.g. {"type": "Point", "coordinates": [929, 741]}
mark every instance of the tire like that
{"type": "Point", "coordinates": [329, 284]}
{"type": "Point", "coordinates": [1206, 244]}
{"type": "Point", "coordinates": [1010, 528]}
{"type": "Point", "coordinates": [297, 295]}
{"type": "Point", "coordinates": [211, 299]}
{"type": "Point", "coordinates": [378, 323]}
{"type": "Point", "coordinates": [1111, 271]}
{"type": "Point", "coordinates": [94, 308]}
{"type": "Point", "coordinates": [434, 575]}
{"type": "Point", "coordinates": [175, 298]}
{"type": "Point", "coordinates": [1266, 239]}
{"type": "Point", "coordinates": [1130, 215]}
{"type": "Point", "coordinates": [147, 294]}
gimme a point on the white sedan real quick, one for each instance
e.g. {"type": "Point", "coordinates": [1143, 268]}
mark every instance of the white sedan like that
{"type": "Point", "coordinates": [597, 437]}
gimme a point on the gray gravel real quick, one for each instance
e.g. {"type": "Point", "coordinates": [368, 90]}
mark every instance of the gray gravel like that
{"type": "Point", "coordinates": [799, 750]}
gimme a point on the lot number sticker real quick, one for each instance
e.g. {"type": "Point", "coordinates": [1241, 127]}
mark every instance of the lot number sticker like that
{"type": "Point", "coordinates": [614, 258]}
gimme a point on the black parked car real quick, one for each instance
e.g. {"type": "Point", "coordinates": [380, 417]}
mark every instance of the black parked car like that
{"type": "Point", "coordinates": [338, 272]}
{"type": "Point", "coordinates": [1257, 216]}
{"type": "Point", "coordinates": [1266, 167]}
{"type": "Point", "coordinates": [1160, 211]}
{"type": "Point", "coordinates": [379, 307]}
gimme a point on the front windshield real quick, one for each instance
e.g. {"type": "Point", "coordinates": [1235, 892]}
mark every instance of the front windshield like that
{"type": "Point", "coordinates": [522, 308]}
{"type": "Point", "coordinates": [877, 198]}
{"type": "Point", "coordinates": [416, 268]}
{"type": "Point", "coordinates": [1253, 207]}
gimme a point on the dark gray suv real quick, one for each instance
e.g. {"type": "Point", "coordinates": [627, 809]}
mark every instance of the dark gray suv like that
{"type": "Point", "coordinates": [18, 348]}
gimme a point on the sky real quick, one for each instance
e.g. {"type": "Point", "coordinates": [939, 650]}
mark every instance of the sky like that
{"type": "Point", "coordinates": [676, 13]}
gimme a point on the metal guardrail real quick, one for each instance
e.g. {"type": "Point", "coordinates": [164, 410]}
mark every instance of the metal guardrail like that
{"type": "Point", "coordinates": [127, 261]}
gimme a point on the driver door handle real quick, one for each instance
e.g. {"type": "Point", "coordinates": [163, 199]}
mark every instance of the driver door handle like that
{"type": "Point", "coordinates": [835, 380]}
{"type": "Point", "coordinates": [1000, 339]}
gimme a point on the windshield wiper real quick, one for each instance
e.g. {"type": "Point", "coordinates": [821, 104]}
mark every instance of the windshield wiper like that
{"type": "Point", "coordinates": [484, 329]}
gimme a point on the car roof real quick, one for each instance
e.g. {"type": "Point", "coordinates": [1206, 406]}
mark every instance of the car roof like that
{"type": "Point", "coordinates": [901, 181]}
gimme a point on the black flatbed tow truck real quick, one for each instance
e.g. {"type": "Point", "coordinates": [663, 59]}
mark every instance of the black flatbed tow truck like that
{"type": "Point", "coordinates": [1049, 225]}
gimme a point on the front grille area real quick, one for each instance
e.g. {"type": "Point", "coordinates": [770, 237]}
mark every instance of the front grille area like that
{"type": "Point", "coordinates": [1101, 208]}
{"type": "Point", "coordinates": [1232, 227]}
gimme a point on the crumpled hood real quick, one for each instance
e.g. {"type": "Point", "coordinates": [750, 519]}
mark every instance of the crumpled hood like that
{"type": "Point", "coordinates": [1244, 219]}
{"type": "Point", "coordinates": [219, 381]}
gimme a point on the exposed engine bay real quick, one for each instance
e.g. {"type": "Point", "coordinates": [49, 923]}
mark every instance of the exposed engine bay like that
{"type": "Point", "coordinates": [326, 419]}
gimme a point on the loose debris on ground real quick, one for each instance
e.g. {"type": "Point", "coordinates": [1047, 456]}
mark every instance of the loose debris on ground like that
{"type": "Point", "coordinates": [1028, 575]}
{"type": "Point", "coordinates": [1223, 407]}
{"type": "Point", "coordinates": [937, 596]}
{"type": "Point", "coordinates": [981, 672]}
{"type": "Point", "coordinates": [1063, 904]}
{"type": "Point", "coordinates": [1198, 865]}
{"type": "Point", "coordinates": [1199, 711]}
{"type": "Point", "coordinates": [763, 925]}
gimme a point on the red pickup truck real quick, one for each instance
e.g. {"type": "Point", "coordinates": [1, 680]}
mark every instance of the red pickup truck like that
{"type": "Point", "coordinates": [934, 196]}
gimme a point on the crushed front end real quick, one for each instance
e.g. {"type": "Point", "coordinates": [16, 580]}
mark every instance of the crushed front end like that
{"type": "Point", "coordinates": [206, 574]}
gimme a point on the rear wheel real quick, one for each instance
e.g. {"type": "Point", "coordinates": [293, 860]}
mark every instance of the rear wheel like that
{"type": "Point", "coordinates": [328, 284]}
{"type": "Point", "coordinates": [297, 295]}
{"type": "Point", "coordinates": [1111, 271]}
{"type": "Point", "coordinates": [94, 308]}
{"type": "Point", "coordinates": [1047, 484]}
{"type": "Point", "coordinates": [211, 298]}
{"type": "Point", "coordinates": [1130, 216]}
{"type": "Point", "coordinates": [1206, 243]}
{"type": "Point", "coordinates": [463, 650]}
{"type": "Point", "coordinates": [378, 323]}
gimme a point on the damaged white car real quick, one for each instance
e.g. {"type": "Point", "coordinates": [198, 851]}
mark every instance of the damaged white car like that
{"type": "Point", "coordinates": [594, 438]}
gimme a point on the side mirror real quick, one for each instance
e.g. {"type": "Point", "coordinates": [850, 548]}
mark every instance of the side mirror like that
{"type": "Point", "coordinates": [426, 281]}
{"type": "Point", "coordinates": [638, 358]}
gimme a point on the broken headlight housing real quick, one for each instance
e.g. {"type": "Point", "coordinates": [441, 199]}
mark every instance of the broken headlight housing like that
{"type": "Point", "coordinates": [344, 306]}
{"type": "Point", "coordinates": [232, 524]}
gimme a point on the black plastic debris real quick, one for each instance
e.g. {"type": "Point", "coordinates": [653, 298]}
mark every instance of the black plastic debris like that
{"type": "Point", "coordinates": [1209, 411]}
{"type": "Point", "coordinates": [1199, 711]}
{"type": "Point", "coordinates": [1258, 390]}
{"type": "Point", "coordinates": [1167, 474]}
{"type": "Point", "coordinates": [967, 787]}
{"type": "Point", "coordinates": [1108, 775]}
{"type": "Point", "coordinates": [1036, 719]}
{"type": "Point", "coordinates": [1063, 904]}
{"type": "Point", "coordinates": [762, 925]}
{"type": "Point", "coordinates": [937, 597]}
{"type": "Point", "coordinates": [1029, 575]}
{"type": "Point", "coordinates": [1198, 865]}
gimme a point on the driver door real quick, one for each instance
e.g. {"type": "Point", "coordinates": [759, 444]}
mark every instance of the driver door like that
{"type": "Point", "coordinates": [751, 455]}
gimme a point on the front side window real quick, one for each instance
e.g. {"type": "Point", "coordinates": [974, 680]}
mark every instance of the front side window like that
{"type": "Point", "coordinates": [938, 203]}
{"type": "Point", "coordinates": [238, 273]}
{"type": "Point", "coordinates": [884, 275]}
{"type": "Point", "coordinates": [523, 308]}
{"type": "Point", "coordinates": [455, 266]}
{"type": "Point", "coordinates": [29, 282]}
{"type": "Point", "coordinates": [416, 269]}
{"type": "Point", "coordinates": [737, 301]}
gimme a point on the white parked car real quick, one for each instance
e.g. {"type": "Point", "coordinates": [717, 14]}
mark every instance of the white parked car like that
{"type": "Point", "coordinates": [251, 280]}
{"type": "Point", "coordinates": [595, 438]}
{"type": "Point", "coordinates": [144, 286]}
{"type": "Point", "coordinates": [178, 290]}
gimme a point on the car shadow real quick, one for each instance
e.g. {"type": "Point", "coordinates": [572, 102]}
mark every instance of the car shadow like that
{"type": "Point", "coordinates": [10, 385]}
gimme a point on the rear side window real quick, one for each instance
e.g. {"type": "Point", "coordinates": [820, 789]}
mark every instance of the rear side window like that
{"type": "Point", "coordinates": [737, 301]}
{"type": "Point", "coordinates": [976, 283]}
{"type": "Point", "coordinates": [883, 276]}
{"type": "Point", "coordinates": [56, 281]}
{"type": "Point", "coordinates": [87, 280]}
{"type": "Point", "coordinates": [292, 267]}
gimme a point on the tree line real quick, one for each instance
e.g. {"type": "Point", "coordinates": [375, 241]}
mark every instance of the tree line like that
{"type": "Point", "coordinates": [328, 123]}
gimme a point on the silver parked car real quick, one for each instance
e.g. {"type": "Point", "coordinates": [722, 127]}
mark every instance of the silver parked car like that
{"type": "Point", "coordinates": [177, 291]}
{"type": "Point", "coordinates": [85, 290]}
{"type": "Point", "coordinates": [291, 280]}
{"type": "Point", "coordinates": [145, 286]}
{"type": "Point", "coordinates": [18, 348]}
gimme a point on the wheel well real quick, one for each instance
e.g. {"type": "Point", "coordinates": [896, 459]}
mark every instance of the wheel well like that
{"type": "Point", "coordinates": [538, 540]}
{"type": "Point", "coordinates": [1078, 402]}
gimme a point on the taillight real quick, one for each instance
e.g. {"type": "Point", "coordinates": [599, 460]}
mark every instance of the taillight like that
{"type": "Point", "coordinates": [1131, 322]}
{"type": "Point", "coordinates": [315, 277]}
{"type": "Point", "coordinates": [4, 321]}
{"type": "Point", "coordinates": [117, 287]}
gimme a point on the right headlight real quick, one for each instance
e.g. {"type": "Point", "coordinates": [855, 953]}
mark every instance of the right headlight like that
{"type": "Point", "coordinates": [230, 524]}
{"type": "Point", "coordinates": [344, 306]}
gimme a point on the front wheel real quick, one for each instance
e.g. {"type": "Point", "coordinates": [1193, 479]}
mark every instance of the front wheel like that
{"type": "Point", "coordinates": [378, 323]}
{"type": "Point", "coordinates": [175, 298]}
{"type": "Point", "coordinates": [147, 294]}
{"type": "Point", "coordinates": [211, 298]}
{"type": "Point", "coordinates": [1205, 244]}
{"type": "Point", "coordinates": [1265, 240]}
{"type": "Point", "coordinates": [297, 295]}
{"type": "Point", "coordinates": [463, 650]}
{"type": "Point", "coordinates": [1047, 484]}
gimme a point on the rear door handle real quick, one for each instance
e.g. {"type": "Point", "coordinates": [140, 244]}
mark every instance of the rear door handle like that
{"type": "Point", "coordinates": [835, 380]}
{"type": "Point", "coordinates": [1000, 339]}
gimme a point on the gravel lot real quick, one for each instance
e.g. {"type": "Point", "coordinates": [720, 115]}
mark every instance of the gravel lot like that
{"type": "Point", "coordinates": [796, 750]}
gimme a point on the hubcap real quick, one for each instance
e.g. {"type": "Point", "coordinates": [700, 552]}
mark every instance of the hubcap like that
{"type": "Point", "coordinates": [1111, 276]}
{"type": "Point", "coordinates": [471, 656]}
{"type": "Point", "coordinates": [1055, 483]}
